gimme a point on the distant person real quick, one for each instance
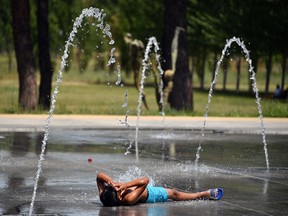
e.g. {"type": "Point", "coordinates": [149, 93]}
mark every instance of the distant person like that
{"type": "Point", "coordinates": [278, 92]}
{"type": "Point", "coordinates": [138, 191]}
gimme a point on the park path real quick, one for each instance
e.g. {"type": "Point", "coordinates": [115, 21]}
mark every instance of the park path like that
{"type": "Point", "coordinates": [249, 125]}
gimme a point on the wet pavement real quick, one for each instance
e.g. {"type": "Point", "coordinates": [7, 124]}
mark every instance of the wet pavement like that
{"type": "Point", "coordinates": [232, 157]}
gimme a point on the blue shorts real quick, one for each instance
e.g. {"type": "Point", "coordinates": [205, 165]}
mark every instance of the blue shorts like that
{"type": "Point", "coordinates": [156, 194]}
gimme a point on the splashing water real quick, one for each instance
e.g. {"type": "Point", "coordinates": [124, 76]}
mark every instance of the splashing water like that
{"type": "Point", "coordinates": [118, 82]}
{"type": "Point", "coordinates": [133, 173]}
{"type": "Point", "coordinates": [151, 42]}
{"type": "Point", "coordinates": [125, 122]}
{"type": "Point", "coordinates": [255, 89]}
{"type": "Point", "coordinates": [112, 59]}
{"type": "Point", "coordinates": [88, 12]}
{"type": "Point", "coordinates": [124, 105]}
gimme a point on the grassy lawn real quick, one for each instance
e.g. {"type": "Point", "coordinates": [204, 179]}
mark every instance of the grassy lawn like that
{"type": "Point", "coordinates": [95, 93]}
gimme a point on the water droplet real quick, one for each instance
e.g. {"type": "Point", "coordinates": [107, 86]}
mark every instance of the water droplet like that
{"type": "Point", "coordinates": [124, 105]}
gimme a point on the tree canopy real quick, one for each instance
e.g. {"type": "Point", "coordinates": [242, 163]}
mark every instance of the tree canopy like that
{"type": "Point", "coordinates": [262, 24]}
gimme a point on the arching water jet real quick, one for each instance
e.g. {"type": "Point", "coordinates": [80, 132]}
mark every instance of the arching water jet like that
{"type": "Point", "coordinates": [99, 16]}
{"type": "Point", "coordinates": [255, 89]}
{"type": "Point", "coordinates": [145, 64]}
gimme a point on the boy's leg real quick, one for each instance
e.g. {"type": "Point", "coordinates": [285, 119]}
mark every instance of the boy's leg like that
{"type": "Point", "coordinates": [181, 196]}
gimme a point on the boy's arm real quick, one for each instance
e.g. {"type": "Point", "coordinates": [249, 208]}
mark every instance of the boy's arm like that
{"type": "Point", "coordinates": [101, 179]}
{"type": "Point", "coordinates": [133, 197]}
{"type": "Point", "coordinates": [135, 183]}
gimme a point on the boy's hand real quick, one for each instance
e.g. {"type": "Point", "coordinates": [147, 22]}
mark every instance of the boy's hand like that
{"type": "Point", "coordinates": [115, 184]}
{"type": "Point", "coordinates": [121, 187]}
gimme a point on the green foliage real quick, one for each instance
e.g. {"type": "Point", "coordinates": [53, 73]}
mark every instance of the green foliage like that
{"type": "Point", "coordinates": [6, 38]}
{"type": "Point", "coordinates": [261, 23]}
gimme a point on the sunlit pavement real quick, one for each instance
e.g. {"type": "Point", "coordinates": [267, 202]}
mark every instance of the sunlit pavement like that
{"type": "Point", "coordinates": [232, 125]}
{"type": "Point", "coordinates": [232, 157]}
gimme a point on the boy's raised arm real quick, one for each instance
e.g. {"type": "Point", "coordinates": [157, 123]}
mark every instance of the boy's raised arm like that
{"type": "Point", "coordinates": [101, 179]}
{"type": "Point", "coordinates": [135, 183]}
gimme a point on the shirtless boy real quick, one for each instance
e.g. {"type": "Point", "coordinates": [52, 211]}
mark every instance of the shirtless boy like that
{"type": "Point", "coordinates": [138, 191]}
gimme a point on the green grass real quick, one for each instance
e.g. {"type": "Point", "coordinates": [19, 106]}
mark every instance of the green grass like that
{"type": "Point", "coordinates": [90, 93]}
{"type": "Point", "coordinates": [243, 105]}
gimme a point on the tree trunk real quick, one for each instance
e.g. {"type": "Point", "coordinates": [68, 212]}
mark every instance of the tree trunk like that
{"type": "Point", "coordinates": [202, 70]}
{"type": "Point", "coordinates": [284, 67]}
{"type": "Point", "coordinates": [175, 16]}
{"type": "Point", "coordinates": [191, 81]}
{"type": "Point", "coordinates": [238, 65]}
{"type": "Point", "coordinates": [24, 54]}
{"type": "Point", "coordinates": [268, 72]}
{"type": "Point", "coordinates": [44, 54]}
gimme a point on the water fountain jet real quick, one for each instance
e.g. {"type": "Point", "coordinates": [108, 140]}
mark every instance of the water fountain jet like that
{"type": "Point", "coordinates": [255, 89]}
{"type": "Point", "coordinates": [152, 42]}
{"type": "Point", "coordinates": [87, 12]}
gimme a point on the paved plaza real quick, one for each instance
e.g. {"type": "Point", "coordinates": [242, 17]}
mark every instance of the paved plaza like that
{"type": "Point", "coordinates": [232, 157]}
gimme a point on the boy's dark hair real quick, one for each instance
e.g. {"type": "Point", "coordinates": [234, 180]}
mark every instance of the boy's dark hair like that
{"type": "Point", "coordinates": [109, 197]}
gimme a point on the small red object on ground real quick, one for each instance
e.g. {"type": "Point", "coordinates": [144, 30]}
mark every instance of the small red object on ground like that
{"type": "Point", "coordinates": [90, 160]}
